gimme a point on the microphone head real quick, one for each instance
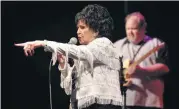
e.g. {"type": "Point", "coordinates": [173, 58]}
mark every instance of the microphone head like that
{"type": "Point", "coordinates": [73, 40]}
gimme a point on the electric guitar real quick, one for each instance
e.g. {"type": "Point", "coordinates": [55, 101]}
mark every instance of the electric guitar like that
{"type": "Point", "coordinates": [127, 63]}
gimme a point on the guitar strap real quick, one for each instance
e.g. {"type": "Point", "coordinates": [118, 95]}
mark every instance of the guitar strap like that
{"type": "Point", "coordinates": [141, 45]}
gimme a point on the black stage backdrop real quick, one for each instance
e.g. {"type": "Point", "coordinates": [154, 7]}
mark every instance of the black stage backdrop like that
{"type": "Point", "coordinates": [25, 82]}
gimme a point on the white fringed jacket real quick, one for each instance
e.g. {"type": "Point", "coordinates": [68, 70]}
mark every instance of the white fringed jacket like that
{"type": "Point", "coordinates": [96, 66]}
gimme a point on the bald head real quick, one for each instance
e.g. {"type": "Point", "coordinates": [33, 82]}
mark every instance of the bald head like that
{"type": "Point", "coordinates": [139, 18]}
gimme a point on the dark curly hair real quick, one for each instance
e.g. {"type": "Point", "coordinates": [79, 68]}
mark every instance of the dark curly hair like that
{"type": "Point", "coordinates": [97, 18]}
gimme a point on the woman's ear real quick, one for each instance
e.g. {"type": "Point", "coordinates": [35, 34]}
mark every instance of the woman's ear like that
{"type": "Point", "coordinates": [95, 34]}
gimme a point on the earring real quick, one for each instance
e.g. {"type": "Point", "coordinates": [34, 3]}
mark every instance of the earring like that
{"type": "Point", "coordinates": [95, 34]}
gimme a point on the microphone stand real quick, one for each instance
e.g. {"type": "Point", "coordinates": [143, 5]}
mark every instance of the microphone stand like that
{"type": "Point", "coordinates": [73, 94]}
{"type": "Point", "coordinates": [122, 81]}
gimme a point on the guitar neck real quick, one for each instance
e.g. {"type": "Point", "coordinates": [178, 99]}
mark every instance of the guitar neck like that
{"type": "Point", "coordinates": [146, 55]}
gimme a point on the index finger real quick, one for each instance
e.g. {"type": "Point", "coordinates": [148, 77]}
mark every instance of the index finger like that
{"type": "Point", "coordinates": [20, 44]}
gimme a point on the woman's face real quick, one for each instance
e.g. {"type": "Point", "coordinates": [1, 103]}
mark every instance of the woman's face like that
{"type": "Point", "coordinates": [85, 34]}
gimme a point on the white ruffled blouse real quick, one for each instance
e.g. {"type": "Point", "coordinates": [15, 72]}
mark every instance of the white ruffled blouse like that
{"type": "Point", "coordinates": [96, 66]}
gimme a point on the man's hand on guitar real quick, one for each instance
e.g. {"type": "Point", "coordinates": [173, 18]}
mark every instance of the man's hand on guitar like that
{"type": "Point", "coordinates": [131, 71]}
{"type": "Point", "coordinates": [128, 74]}
{"type": "Point", "coordinates": [134, 70]}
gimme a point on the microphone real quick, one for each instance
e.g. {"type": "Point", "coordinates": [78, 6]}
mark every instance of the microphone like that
{"type": "Point", "coordinates": [73, 40]}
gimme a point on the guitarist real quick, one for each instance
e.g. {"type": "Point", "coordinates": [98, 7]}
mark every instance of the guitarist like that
{"type": "Point", "coordinates": [144, 85]}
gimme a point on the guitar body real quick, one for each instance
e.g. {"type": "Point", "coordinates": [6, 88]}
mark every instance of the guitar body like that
{"type": "Point", "coordinates": [127, 79]}
{"type": "Point", "coordinates": [126, 65]}
{"type": "Point", "coordinates": [70, 106]}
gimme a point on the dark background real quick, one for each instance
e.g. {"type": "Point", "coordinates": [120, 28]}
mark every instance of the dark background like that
{"type": "Point", "coordinates": [25, 80]}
